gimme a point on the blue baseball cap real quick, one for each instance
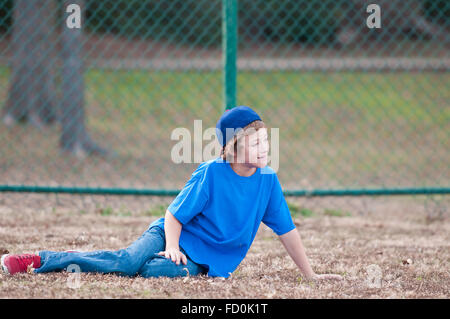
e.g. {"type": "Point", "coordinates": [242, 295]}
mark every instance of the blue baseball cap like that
{"type": "Point", "coordinates": [233, 120]}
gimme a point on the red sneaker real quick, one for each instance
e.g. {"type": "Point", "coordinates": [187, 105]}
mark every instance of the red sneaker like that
{"type": "Point", "coordinates": [12, 264]}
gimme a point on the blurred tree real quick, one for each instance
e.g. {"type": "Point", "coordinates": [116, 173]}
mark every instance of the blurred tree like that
{"type": "Point", "coordinates": [32, 95]}
{"type": "Point", "coordinates": [74, 136]}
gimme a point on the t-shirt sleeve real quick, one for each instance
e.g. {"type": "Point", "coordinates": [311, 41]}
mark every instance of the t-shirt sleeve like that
{"type": "Point", "coordinates": [192, 198]}
{"type": "Point", "coordinates": [277, 215]}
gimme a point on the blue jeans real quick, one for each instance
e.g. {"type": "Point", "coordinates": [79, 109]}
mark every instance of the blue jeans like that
{"type": "Point", "coordinates": [140, 258]}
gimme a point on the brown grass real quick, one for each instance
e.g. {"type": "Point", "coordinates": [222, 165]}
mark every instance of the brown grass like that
{"type": "Point", "coordinates": [403, 236]}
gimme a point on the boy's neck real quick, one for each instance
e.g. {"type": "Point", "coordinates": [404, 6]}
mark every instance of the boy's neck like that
{"type": "Point", "coordinates": [242, 169]}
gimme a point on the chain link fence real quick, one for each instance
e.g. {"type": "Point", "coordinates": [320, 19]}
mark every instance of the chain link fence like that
{"type": "Point", "coordinates": [97, 107]}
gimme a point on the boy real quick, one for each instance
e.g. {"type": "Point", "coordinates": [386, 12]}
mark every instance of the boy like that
{"type": "Point", "coordinates": [210, 225]}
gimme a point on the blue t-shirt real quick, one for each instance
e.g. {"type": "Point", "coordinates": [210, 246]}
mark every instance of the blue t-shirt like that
{"type": "Point", "coordinates": [221, 212]}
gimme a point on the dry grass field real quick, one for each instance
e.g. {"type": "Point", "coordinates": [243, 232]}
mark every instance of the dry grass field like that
{"type": "Point", "coordinates": [386, 247]}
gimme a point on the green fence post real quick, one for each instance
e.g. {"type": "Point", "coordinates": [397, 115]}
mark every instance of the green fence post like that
{"type": "Point", "coordinates": [229, 52]}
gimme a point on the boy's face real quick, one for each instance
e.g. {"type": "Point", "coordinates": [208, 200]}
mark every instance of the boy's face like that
{"type": "Point", "coordinates": [255, 147]}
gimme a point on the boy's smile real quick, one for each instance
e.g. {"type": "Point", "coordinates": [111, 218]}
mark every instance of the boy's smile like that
{"type": "Point", "coordinates": [252, 152]}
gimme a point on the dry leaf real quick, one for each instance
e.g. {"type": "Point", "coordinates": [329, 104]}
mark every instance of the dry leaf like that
{"type": "Point", "coordinates": [30, 269]}
{"type": "Point", "coordinates": [407, 261]}
{"type": "Point", "coordinates": [188, 275]}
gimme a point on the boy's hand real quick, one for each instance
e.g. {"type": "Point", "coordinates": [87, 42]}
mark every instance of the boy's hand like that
{"type": "Point", "coordinates": [175, 254]}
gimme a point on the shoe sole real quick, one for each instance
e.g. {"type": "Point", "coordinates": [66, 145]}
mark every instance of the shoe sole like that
{"type": "Point", "coordinates": [2, 261]}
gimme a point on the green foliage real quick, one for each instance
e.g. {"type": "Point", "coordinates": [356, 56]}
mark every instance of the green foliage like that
{"type": "Point", "coordinates": [285, 21]}
{"type": "Point", "coordinates": [159, 211]}
{"type": "Point", "coordinates": [184, 22]}
{"type": "Point", "coordinates": [107, 211]}
{"type": "Point", "coordinates": [336, 213]}
{"type": "Point", "coordinates": [297, 210]}
{"type": "Point", "coordinates": [438, 11]}
{"type": "Point", "coordinates": [5, 15]}
{"type": "Point", "coordinates": [193, 22]}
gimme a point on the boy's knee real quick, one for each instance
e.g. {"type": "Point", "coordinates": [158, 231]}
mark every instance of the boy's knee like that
{"type": "Point", "coordinates": [127, 264]}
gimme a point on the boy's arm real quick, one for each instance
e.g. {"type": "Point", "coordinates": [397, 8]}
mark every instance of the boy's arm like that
{"type": "Point", "coordinates": [172, 229]}
{"type": "Point", "coordinates": [294, 246]}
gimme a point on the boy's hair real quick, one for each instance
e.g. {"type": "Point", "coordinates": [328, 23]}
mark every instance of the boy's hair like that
{"type": "Point", "coordinates": [232, 144]}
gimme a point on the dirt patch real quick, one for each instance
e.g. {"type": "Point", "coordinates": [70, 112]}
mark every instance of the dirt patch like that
{"type": "Point", "coordinates": [384, 247]}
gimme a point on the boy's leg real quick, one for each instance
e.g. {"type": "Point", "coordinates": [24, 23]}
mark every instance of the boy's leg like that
{"type": "Point", "coordinates": [162, 266]}
{"type": "Point", "coordinates": [124, 261]}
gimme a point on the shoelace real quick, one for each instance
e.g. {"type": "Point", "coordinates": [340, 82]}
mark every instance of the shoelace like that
{"type": "Point", "coordinates": [25, 260]}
